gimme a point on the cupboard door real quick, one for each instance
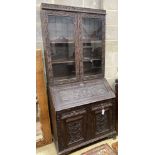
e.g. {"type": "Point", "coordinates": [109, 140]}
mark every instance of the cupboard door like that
{"type": "Point", "coordinates": [92, 43]}
{"type": "Point", "coordinates": [62, 44]}
{"type": "Point", "coordinates": [74, 128]}
{"type": "Point", "coordinates": [102, 119]}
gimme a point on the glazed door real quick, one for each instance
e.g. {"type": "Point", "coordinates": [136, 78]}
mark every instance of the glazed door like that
{"type": "Point", "coordinates": [61, 46]}
{"type": "Point", "coordinates": [74, 129]}
{"type": "Point", "coordinates": [102, 116]}
{"type": "Point", "coordinates": [74, 46]}
{"type": "Point", "coordinates": [92, 45]}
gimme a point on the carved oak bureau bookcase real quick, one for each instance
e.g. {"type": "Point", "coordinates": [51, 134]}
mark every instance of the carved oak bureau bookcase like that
{"type": "Point", "coordinates": [82, 103]}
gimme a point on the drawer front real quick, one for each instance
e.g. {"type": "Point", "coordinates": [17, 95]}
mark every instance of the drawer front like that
{"type": "Point", "coordinates": [73, 127]}
{"type": "Point", "coordinates": [102, 118]}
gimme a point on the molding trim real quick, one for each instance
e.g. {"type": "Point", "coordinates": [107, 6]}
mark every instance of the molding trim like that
{"type": "Point", "coordinates": [46, 6]}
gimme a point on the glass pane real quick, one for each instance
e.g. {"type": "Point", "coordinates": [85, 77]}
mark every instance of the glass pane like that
{"type": "Point", "coordinates": [61, 36]}
{"type": "Point", "coordinates": [63, 51]}
{"type": "Point", "coordinates": [64, 70]}
{"type": "Point", "coordinates": [92, 67]}
{"type": "Point", "coordinates": [92, 46]}
{"type": "Point", "coordinates": [61, 28]}
{"type": "Point", "coordinates": [92, 29]}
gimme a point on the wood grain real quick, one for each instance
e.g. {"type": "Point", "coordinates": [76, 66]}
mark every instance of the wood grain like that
{"type": "Point", "coordinates": [43, 102]}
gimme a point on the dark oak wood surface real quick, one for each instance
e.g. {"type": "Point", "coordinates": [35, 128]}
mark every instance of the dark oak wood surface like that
{"type": "Point", "coordinates": [82, 103]}
{"type": "Point", "coordinates": [84, 124]}
{"type": "Point", "coordinates": [80, 93]}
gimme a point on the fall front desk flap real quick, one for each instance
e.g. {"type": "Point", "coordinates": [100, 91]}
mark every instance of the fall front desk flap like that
{"type": "Point", "coordinates": [80, 93]}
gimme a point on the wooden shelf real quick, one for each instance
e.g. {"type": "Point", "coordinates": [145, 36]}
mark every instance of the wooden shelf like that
{"type": "Point", "coordinates": [85, 47]}
{"type": "Point", "coordinates": [89, 59]}
{"type": "Point", "coordinates": [62, 61]}
{"type": "Point", "coordinates": [91, 41]}
{"type": "Point", "coordinates": [62, 42]}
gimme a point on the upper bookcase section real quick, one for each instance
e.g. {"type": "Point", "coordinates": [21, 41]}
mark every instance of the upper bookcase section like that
{"type": "Point", "coordinates": [74, 43]}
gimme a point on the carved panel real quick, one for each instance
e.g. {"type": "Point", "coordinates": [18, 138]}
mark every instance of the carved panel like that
{"type": "Point", "coordinates": [82, 92]}
{"type": "Point", "coordinates": [101, 123]}
{"type": "Point", "coordinates": [74, 126]}
{"type": "Point", "coordinates": [102, 119]}
{"type": "Point", "coordinates": [76, 94]}
{"type": "Point", "coordinates": [74, 131]}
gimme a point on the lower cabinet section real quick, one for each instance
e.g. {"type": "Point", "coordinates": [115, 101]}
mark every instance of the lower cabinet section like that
{"type": "Point", "coordinates": [78, 127]}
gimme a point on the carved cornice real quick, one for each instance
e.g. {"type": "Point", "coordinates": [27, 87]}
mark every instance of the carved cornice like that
{"type": "Point", "coordinates": [46, 6]}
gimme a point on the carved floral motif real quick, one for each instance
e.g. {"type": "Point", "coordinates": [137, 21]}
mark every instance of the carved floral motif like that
{"type": "Point", "coordinates": [101, 122]}
{"type": "Point", "coordinates": [82, 92]}
{"type": "Point", "coordinates": [74, 131]}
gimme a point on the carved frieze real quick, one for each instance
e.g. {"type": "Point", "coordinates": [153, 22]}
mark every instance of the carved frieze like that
{"type": "Point", "coordinates": [101, 106]}
{"type": "Point", "coordinates": [73, 113]}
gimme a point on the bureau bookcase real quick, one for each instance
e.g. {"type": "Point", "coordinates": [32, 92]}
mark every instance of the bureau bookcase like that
{"type": "Point", "coordinates": [81, 102]}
